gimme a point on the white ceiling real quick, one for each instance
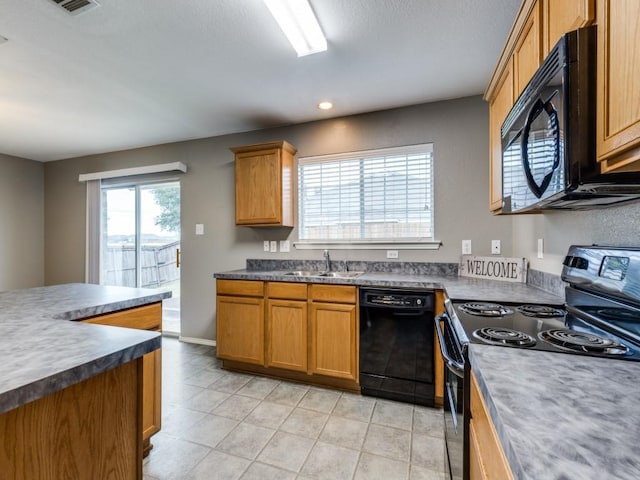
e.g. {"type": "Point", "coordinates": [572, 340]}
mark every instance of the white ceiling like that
{"type": "Point", "coordinates": [134, 73]}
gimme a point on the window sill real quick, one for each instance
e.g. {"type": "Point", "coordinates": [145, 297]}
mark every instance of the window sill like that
{"type": "Point", "coordinates": [371, 245]}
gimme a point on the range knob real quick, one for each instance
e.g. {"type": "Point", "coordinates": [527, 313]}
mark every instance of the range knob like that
{"type": "Point", "coordinates": [419, 301]}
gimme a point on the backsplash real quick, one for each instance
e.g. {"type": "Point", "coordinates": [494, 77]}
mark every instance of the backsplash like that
{"type": "Point", "coordinates": [408, 268]}
{"type": "Point", "coordinates": [546, 281]}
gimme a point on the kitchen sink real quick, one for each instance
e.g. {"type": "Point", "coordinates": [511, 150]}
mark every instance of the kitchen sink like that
{"type": "Point", "coordinates": [312, 273]}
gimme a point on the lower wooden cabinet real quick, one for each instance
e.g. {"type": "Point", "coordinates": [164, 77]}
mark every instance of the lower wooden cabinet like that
{"type": "Point", "coordinates": [148, 317]}
{"type": "Point", "coordinates": [486, 457]}
{"type": "Point", "coordinates": [306, 332]}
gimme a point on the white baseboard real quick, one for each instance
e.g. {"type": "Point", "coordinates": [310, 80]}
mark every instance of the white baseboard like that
{"type": "Point", "coordinates": [199, 341]}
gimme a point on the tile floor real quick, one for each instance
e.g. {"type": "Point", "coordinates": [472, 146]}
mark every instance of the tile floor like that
{"type": "Point", "coordinates": [224, 425]}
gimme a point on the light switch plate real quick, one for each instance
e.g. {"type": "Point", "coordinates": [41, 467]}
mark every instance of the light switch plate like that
{"type": "Point", "coordinates": [284, 246]}
{"type": "Point", "coordinates": [266, 246]}
{"type": "Point", "coordinates": [466, 247]}
{"type": "Point", "coordinates": [392, 253]}
{"type": "Point", "coordinates": [273, 246]}
{"type": "Point", "coordinates": [495, 247]}
{"type": "Point", "coordinates": [540, 248]}
{"type": "Point", "coordinates": [199, 228]}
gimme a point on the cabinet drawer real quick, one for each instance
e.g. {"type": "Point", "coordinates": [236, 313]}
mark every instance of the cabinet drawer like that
{"type": "Point", "coordinates": [333, 293]}
{"type": "Point", "coordinates": [243, 288]}
{"type": "Point", "coordinates": [292, 291]}
{"type": "Point", "coordinates": [148, 317]}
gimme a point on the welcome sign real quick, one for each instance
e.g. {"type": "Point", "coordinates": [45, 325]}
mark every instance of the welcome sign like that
{"type": "Point", "coordinates": [494, 268]}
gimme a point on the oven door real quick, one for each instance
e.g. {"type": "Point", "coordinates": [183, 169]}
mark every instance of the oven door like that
{"type": "Point", "coordinates": [453, 398]}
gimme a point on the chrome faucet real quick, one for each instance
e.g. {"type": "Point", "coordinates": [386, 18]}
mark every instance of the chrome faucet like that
{"type": "Point", "coordinates": [328, 260]}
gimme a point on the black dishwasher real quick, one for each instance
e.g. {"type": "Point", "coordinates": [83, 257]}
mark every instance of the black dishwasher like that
{"type": "Point", "coordinates": [396, 345]}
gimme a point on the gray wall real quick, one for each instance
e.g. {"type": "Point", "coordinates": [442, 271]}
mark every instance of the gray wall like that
{"type": "Point", "coordinates": [21, 223]}
{"type": "Point", "coordinates": [458, 129]}
{"type": "Point", "coordinates": [610, 226]}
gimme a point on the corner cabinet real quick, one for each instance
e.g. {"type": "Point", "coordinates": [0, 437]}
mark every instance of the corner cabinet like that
{"type": "Point", "coordinates": [618, 107]}
{"type": "Point", "coordinates": [486, 457]}
{"type": "Point", "coordinates": [264, 184]}
{"type": "Point", "coordinates": [148, 317]}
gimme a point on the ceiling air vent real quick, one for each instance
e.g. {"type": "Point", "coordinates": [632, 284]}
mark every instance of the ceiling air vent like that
{"type": "Point", "coordinates": [74, 7]}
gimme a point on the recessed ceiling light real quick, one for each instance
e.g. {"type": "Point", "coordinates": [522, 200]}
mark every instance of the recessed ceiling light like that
{"type": "Point", "coordinates": [299, 24]}
{"type": "Point", "coordinates": [325, 105]}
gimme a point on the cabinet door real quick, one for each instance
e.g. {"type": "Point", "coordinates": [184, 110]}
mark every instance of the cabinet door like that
{"type": "Point", "coordinates": [618, 137]}
{"type": "Point", "coordinates": [334, 340]}
{"type": "Point", "coordinates": [499, 108]}
{"type": "Point", "coordinates": [287, 334]}
{"type": "Point", "coordinates": [151, 394]}
{"type": "Point", "coordinates": [258, 187]}
{"type": "Point", "coordinates": [527, 55]}
{"type": "Point", "coordinates": [240, 329]}
{"type": "Point", "coordinates": [562, 17]}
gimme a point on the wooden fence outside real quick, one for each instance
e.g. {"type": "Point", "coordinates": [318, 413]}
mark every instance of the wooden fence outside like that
{"type": "Point", "coordinates": [158, 265]}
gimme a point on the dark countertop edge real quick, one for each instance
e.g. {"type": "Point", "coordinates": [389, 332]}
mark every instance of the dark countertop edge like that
{"type": "Point", "coordinates": [92, 311]}
{"type": "Point", "coordinates": [35, 390]}
{"type": "Point", "coordinates": [505, 443]}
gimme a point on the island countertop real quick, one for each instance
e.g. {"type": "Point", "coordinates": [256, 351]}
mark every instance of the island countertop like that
{"type": "Point", "coordinates": [561, 416]}
{"type": "Point", "coordinates": [42, 352]}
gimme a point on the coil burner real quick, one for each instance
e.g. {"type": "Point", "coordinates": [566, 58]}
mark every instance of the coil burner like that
{"type": "Point", "coordinates": [485, 309]}
{"type": "Point", "coordinates": [582, 342]}
{"type": "Point", "coordinates": [504, 336]}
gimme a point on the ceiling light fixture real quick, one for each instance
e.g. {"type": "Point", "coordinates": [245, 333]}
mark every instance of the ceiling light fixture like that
{"type": "Point", "coordinates": [325, 105]}
{"type": "Point", "coordinates": [299, 24]}
{"type": "Point", "coordinates": [2, 39]}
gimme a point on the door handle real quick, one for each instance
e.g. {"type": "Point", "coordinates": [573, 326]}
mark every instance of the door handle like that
{"type": "Point", "coordinates": [177, 258]}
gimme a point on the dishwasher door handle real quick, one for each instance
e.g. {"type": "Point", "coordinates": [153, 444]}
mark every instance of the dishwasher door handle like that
{"type": "Point", "coordinates": [453, 365]}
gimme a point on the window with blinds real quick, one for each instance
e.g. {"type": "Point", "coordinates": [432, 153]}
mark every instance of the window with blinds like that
{"type": "Point", "coordinates": [374, 195]}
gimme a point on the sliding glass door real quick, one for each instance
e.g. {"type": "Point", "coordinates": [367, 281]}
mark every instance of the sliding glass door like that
{"type": "Point", "coordinates": [140, 225]}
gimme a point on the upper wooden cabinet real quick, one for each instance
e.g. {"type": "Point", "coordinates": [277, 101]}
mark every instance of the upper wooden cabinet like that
{"type": "Point", "coordinates": [264, 184]}
{"type": "Point", "coordinates": [618, 105]}
{"type": "Point", "coordinates": [559, 17]}
{"type": "Point", "coordinates": [527, 54]}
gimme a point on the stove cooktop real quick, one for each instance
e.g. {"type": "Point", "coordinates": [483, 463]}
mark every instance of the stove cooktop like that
{"type": "Point", "coordinates": [539, 327]}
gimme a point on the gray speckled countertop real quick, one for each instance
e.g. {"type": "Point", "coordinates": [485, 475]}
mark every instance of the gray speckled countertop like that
{"type": "Point", "coordinates": [457, 288]}
{"type": "Point", "coordinates": [562, 416]}
{"type": "Point", "coordinates": [41, 352]}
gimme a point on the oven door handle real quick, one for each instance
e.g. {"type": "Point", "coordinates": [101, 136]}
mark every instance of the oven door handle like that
{"type": "Point", "coordinates": [453, 365]}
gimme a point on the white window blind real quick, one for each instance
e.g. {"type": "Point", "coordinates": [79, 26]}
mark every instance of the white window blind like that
{"type": "Point", "coordinates": [370, 195]}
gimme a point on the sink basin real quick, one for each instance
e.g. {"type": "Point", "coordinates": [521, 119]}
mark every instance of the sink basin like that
{"type": "Point", "coordinates": [341, 274]}
{"type": "Point", "coordinates": [305, 273]}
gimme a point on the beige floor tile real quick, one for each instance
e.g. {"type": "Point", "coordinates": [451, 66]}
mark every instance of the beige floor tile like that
{"type": "Point", "coordinates": [428, 451]}
{"type": "Point", "coordinates": [269, 415]}
{"type": "Point", "coordinates": [246, 441]}
{"type": "Point", "coordinates": [236, 407]}
{"type": "Point", "coordinates": [388, 442]}
{"type": "Point", "coordinates": [206, 400]}
{"type": "Point", "coordinates": [344, 432]}
{"type": "Point", "coordinates": [373, 466]}
{"type": "Point", "coordinates": [320, 400]}
{"type": "Point", "coordinates": [330, 462]}
{"type": "Point", "coordinates": [230, 383]}
{"type": "Point", "coordinates": [287, 394]}
{"type": "Point", "coordinates": [210, 430]}
{"type": "Point", "coordinates": [421, 473]}
{"type": "Point", "coordinates": [429, 421]}
{"type": "Point", "coordinates": [260, 471]}
{"type": "Point", "coordinates": [355, 407]}
{"type": "Point", "coordinates": [286, 451]}
{"type": "Point", "coordinates": [204, 377]}
{"type": "Point", "coordinates": [219, 466]}
{"type": "Point", "coordinates": [305, 422]}
{"type": "Point", "coordinates": [393, 414]}
{"type": "Point", "coordinates": [171, 457]}
{"type": "Point", "coordinates": [258, 388]}
{"type": "Point", "coordinates": [176, 419]}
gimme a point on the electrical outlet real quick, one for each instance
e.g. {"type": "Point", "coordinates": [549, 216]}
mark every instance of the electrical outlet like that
{"type": "Point", "coordinates": [273, 246]}
{"type": "Point", "coordinates": [284, 246]}
{"type": "Point", "coordinates": [392, 253]}
{"type": "Point", "coordinates": [266, 246]}
{"type": "Point", "coordinates": [466, 247]}
{"type": "Point", "coordinates": [495, 247]}
{"type": "Point", "coordinates": [199, 228]}
{"type": "Point", "coordinates": [540, 248]}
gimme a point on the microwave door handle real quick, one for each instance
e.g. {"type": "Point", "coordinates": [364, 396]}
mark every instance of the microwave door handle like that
{"type": "Point", "coordinates": [453, 365]}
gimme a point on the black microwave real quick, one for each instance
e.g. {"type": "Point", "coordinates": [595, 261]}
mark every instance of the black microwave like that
{"type": "Point", "coordinates": [549, 137]}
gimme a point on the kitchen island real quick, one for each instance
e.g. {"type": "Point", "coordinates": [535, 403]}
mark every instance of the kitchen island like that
{"type": "Point", "coordinates": [71, 392]}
